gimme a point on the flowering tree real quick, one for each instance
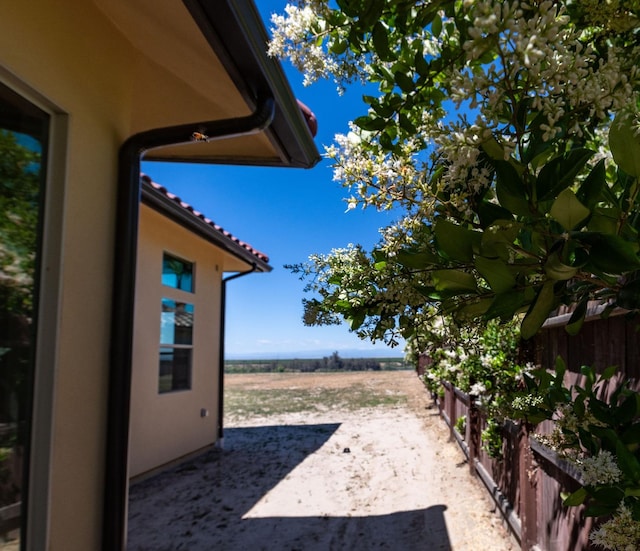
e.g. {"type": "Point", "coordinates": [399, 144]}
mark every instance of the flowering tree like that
{"type": "Point", "coordinates": [492, 131]}
{"type": "Point", "coordinates": [507, 133]}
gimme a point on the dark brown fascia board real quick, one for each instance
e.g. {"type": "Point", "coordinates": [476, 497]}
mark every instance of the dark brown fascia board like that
{"type": "Point", "coordinates": [172, 210]}
{"type": "Point", "coordinates": [237, 35]}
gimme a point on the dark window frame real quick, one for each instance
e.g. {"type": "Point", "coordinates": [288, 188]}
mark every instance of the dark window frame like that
{"type": "Point", "coordinates": [175, 374]}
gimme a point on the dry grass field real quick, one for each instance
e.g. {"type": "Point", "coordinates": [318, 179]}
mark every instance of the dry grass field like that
{"type": "Point", "coordinates": [266, 394]}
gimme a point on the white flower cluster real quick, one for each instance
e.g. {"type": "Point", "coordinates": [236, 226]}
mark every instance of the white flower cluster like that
{"type": "Point", "coordinates": [478, 389]}
{"type": "Point", "coordinates": [458, 147]}
{"type": "Point", "coordinates": [375, 178]}
{"type": "Point", "coordinates": [544, 57]}
{"type": "Point", "coordinates": [526, 402]}
{"type": "Point", "coordinates": [621, 533]}
{"type": "Point", "coordinates": [599, 470]}
{"type": "Point", "coordinates": [298, 35]}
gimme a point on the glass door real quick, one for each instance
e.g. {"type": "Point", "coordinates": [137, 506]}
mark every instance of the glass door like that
{"type": "Point", "coordinates": [24, 131]}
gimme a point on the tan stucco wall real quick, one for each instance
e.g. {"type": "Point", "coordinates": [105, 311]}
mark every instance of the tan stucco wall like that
{"type": "Point", "coordinates": [84, 66]}
{"type": "Point", "coordinates": [167, 426]}
{"type": "Point", "coordinates": [40, 44]}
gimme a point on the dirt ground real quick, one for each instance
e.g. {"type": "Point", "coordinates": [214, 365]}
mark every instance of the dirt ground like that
{"type": "Point", "coordinates": [385, 477]}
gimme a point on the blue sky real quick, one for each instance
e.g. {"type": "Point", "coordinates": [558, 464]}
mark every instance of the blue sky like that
{"type": "Point", "coordinates": [288, 214]}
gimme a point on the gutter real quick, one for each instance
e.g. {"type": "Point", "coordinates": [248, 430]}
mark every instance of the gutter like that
{"type": "Point", "coordinates": [235, 32]}
{"type": "Point", "coordinates": [123, 299]}
{"type": "Point", "coordinates": [223, 308]}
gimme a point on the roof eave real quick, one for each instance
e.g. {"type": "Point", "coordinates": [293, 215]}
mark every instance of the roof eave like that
{"type": "Point", "coordinates": [236, 33]}
{"type": "Point", "coordinates": [194, 223]}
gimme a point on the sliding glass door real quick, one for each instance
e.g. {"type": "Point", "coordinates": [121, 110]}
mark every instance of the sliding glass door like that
{"type": "Point", "coordinates": [24, 131]}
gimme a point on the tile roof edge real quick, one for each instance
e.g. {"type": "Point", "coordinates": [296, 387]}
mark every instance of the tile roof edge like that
{"type": "Point", "coordinates": [191, 211]}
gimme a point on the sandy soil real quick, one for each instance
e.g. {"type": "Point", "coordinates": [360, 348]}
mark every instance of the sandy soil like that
{"type": "Point", "coordinates": [383, 478]}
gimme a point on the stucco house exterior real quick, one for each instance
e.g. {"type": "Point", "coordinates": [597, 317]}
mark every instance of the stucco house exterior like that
{"type": "Point", "coordinates": [178, 345]}
{"type": "Point", "coordinates": [87, 88]}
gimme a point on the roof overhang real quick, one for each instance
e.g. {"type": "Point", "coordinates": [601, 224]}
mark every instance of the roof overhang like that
{"type": "Point", "coordinates": [199, 60]}
{"type": "Point", "coordinates": [159, 199]}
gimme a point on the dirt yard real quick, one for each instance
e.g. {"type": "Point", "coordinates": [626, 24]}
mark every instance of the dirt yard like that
{"type": "Point", "coordinates": [350, 461]}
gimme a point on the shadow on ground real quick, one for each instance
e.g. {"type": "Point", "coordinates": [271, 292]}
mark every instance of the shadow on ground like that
{"type": "Point", "coordinates": [202, 505]}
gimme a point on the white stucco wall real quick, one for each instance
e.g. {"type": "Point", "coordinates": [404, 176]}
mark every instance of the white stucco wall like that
{"type": "Point", "coordinates": [166, 426]}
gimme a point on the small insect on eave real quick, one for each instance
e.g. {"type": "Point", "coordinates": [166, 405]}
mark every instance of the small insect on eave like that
{"type": "Point", "coordinates": [199, 137]}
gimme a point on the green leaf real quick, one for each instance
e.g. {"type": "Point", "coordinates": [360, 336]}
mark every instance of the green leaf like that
{"type": "Point", "coordinates": [510, 189]}
{"type": "Point", "coordinates": [559, 173]}
{"type": "Point", "coordinates": [631, 437]}
{"type": "Point", "coordinates": [609, 253]}
{"type": "Point", "coordinates": [629, 296]}
{"type": "Point", "coordinates": [576, 498]}
{"type": "Point", "coordinates": [627, 462]}
{"type": "Point", "coordinates": [561, 369]}
{"type": "Point", "coordinates": [629, 409]}
{"type": "Point", "coordinates": [590, 375]}
{"type": "Point", "coordinates": [609, 372]}
{"type": "Point", "coordinates": [600, 509]}
{"type": "Point", "coordinates": [492, 148]}
{"type": "Point", "coordinates": [380, 38]}
{"type": "Point", "coordinates": [371, 124]}
{"type": "Point", "coordinates": [604, 220]}
{"type": "Point", "coordinates": [416, 260]}
{"type": "Point", "coordinates": [635, 492]}
{"type": "Point", "coordinates": [454, 280]}
{"type": "Point", "coordinates": [568, 210]}
{"type": "Point", "coordinates": [489, 213]}
{"type": "Point", "coordinates": [474, 309]}
{"type": "Point", "coordinates": [577, 318]}
{"type": "Point", "coordinates": [506, 305]}
{"type": "Point", "coordinates": [404, 81]}
{"type": "Point", "coordinates": [422, 67]}
{"type": "Point", "coordinates": [539, 311]}
{"type": "Point", "coordinates": [339, 47]}
{"type": "Point", "coordinates": [590, 191]}
{"type": "Point", "coordinates": [624, 142]}
{"type": "Point", "coordinates": [355, 320]}
{"type": "Point", "coordinates": [606, 495]}
{"type": "Point", "coordinates": [456, 242]}
{"type": "Point", "coordinates": [496, 272]}
{"type": "Point", "coordinates": [557, 270]}
{"type": "Point", "coordinates": [436, 26]}
{"type": "Point", "coordinates": [406, 124]}
{"type": "Point", "coordinates": [498, 238]}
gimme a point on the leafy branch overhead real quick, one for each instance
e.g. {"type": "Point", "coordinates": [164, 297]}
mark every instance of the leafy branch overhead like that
{"type": "Point", "coordinates": [508, 135]}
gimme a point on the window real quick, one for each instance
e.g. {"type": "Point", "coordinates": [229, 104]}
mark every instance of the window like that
{"type": "Point", "coordinates": [177, 273]}
{"type": "Point", "coordinates": [176, 346]}
{"type": "Point", "coordinates": [24, 130]}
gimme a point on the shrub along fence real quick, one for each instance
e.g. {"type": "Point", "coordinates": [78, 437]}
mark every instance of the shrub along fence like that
{"type": "Point", "coordinates": [527, 481]}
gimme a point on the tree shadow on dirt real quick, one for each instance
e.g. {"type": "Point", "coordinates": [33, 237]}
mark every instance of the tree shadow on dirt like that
{"type": "Point", "coordinates": [203, 504]}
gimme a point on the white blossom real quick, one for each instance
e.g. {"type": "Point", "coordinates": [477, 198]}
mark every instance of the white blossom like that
{"type": "Point", "coordinates": [599, 470]}
{"type": "Point", "coordinates": [621, 533]}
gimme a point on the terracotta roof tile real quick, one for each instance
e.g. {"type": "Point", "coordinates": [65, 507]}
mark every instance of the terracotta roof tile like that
{"type": "Point", "coordinates": [187, 207]}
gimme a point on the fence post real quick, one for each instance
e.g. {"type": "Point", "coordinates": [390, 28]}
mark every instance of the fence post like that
{"type": "Point", "coordinates": [528, 497]}
{"type": "Point", "coordinates": [473, 422]}
{"type": "Point", "coordinates": [451, 413]}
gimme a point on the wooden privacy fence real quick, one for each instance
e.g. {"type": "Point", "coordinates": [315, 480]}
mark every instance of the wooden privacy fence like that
{"type": "Point", "coordinates": [526, 482]}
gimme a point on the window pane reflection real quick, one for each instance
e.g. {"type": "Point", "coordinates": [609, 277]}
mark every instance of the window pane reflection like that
{"type": "Point", "coordinates": [23, 147]}
{"type": "Point", "coordinates": [177, 273]}
{"type": "Point", "coordinates": [176, 325]}
{"type": "Point", "coordinates": [175, 369]}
